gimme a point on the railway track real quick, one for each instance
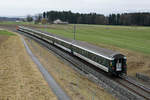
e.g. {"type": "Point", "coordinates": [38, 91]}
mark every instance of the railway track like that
{"type": "Point", "coordinates": [134, 86]}
{"type": "Point", "coordinates": [141, 91]}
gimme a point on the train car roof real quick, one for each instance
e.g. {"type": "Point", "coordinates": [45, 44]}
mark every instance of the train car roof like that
{"type": "Point", "coordinates": [96, 49]}
{"type": "Point", "coordinates": [58, 36]}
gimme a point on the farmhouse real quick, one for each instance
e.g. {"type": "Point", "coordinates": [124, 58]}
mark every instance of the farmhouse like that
{"type": "Point", "coordinates": [58, 21]}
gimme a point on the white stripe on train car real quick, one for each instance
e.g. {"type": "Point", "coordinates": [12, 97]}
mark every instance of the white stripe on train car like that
{"type": "Point", "coordinates": [92, 62]}
{"type": "Point", "coordinates": [93, 52]}
{"type": "Point", "coordinates": [48, 40]}
{"type": "Point", "coordinates": [62, 47]}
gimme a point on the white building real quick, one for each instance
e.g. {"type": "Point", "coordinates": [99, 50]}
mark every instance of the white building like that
{"type": "Point", "coordinates": [58, 21]}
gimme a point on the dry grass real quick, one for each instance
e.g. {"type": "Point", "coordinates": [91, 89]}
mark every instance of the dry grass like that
{"type": "Point", "coordinates": [3, 38]}
{"type": "Point", "coordinates": [19, 77]}
{"type": "Point", "coordinates": [77, 86]}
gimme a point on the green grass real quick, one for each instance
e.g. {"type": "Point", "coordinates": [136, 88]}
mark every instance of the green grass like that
{"type": "Point", "coordinates": [4, 32]}
{"type": "Point", "coordinates": [15, 23]}
{"type": "Point", "coordinates": [128, 37]}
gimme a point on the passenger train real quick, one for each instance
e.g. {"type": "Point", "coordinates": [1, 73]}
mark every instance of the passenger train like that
{"type": "Point", "coordinates": [110, 61]}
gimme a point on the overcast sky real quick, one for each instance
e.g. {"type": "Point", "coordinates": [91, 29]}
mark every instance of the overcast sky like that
{"type": "Point", "coordinates": [25, 7]}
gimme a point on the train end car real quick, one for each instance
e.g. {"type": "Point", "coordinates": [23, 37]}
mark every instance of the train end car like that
{"type": "Point", "coordinates": [118, 65]}
{"type": "Point", "coordinates": [107, 60]}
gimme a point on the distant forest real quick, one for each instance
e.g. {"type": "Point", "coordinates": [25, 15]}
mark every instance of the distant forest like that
{"type": "Point", "coordinates": [141, 19]}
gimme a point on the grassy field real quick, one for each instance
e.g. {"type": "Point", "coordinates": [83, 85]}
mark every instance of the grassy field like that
{"type": "Point", "coordinates": [4, 32]}
{"type": "Point", "coordinates": [15, 23]}
{"type": "Point", "coordinates": [128, 37]}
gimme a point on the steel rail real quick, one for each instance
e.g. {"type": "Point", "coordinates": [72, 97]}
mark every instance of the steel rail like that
{"type": "Point", "coordinates": [140, 89]}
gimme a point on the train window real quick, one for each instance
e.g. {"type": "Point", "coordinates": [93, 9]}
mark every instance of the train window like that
{"type": "Point", "coordinates": [56, 41]}
{"type": "Point", "coordinates": [86, 53]}
{"type": "Point", "coordinates": [103, 62]}
{"type": "Point", "coordinates": [97, 58]}
{"type": "Point", "coordinates": [65, 45]}
{"type": "Point", "coordinates": [83, 52]}
{"type": "Point", "coordinates": [68, 46]}
{"type": "Point", "coordinates": [106, 62]}
{"type": "Point", "coordinates": [80, 51]}
{"type": "Point", "coordinates": [76, 49]}
{"type": "Point", "coordinates": [93, 57]}
{"type": "Point", "coordinates": [89, 54]}
{"type": "Point", "coordinates": [59, 42]}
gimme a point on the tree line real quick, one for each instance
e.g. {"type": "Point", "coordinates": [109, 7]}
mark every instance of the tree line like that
{"type": "Point", "coordinates": [75, 18]}
{"type": "Point", "coordinates": [142, 19]}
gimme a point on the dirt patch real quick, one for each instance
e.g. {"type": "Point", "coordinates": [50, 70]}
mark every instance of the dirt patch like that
{"type": "Point", "coordinates": [77, 86]}
{"type": "Point", "coordinates": [3, 38]}
{"type": "Point", "coordinates": [19, 77]}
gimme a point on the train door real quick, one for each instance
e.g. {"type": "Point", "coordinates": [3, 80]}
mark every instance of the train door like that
{"type": "Point", "coordinates": [119, 64]}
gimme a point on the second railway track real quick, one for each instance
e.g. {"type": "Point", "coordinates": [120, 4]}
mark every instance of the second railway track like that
{"type": "Point", "coordinates": [134, 86]}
